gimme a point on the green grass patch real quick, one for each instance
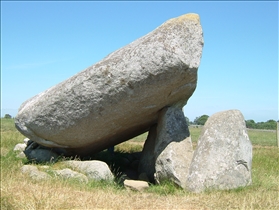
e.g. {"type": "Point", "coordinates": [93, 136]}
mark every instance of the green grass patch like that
{"type": "Point", "coordinates": [140, 138]}
{"type": "Point", "coordinates": [166, 188]}
{"type": "Point", "coordinates": [257, 137]}
{"type": "Point", "coordinates": [262, 138]}
{"type": "Point", "coordinates": [7, 125]}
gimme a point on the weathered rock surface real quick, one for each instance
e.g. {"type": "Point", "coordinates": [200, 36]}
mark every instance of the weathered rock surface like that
{"type": "Point", "coordinates": [135, 185]}
{"type": "Point", "coordinates": [20, 147]}
{"type": "Point", "coordinates": [223, 158]}
{"type": "Point", "coordinates": [147, 159]}
{"type": "Point", "coordinates": [34, 172]}
{"type": "Point", "coordinates": [83, 171]}
{"type": "Point", "coordinates": [120, 96]}
{"type": "Point", "coordinates": [70, 174]}
{"type": "Point", "coordinates": [173, 147]}
{"type": "Point", "coordinates": [39, 154]}
{"type": "Point", "coordinates": [167, 154]}
{"type": "Point", "coordinates": [94, 170]}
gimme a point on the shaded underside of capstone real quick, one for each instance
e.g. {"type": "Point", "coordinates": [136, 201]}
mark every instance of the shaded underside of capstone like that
{"type": "Point", "coordinates": [120, 96]}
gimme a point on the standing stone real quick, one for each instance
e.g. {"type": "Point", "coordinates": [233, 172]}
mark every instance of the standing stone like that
{"type": "Point", "coordinates": [167, 154]}
{"type": "Point", "coordinates": [173, 147]}
{"type": "Point", "coordinates": [119, 97]}
{"type": "Point", "coordinates": [223, 158]}
{"type": "Point", "coordinates": [147, 159]}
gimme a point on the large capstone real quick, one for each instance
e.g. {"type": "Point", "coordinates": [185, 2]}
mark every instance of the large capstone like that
{"type": "Point", "coordinates": [223, 158]}
{"type": "Point", "coordinates": [120, 96]}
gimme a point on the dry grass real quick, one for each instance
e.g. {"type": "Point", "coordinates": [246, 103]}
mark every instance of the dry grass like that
{"type": "Point", "coordinates": [20, 192]}
{"type": "Point", "coordinates": [23, 195]}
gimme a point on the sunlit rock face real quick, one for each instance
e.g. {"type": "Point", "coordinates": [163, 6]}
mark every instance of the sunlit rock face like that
{"type": "Point", "coordinates": [168, 150]}
{"type": "Point", "coordinates": [120, 96]}
{"type": "Point", "coordinates": [223, 157]}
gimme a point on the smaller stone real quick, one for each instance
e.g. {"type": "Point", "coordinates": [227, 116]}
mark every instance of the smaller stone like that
{"type": "Point", "coordinates": [135, 185]}
{"type": "Point", "coordinates": [34, 173]}
{"type": "Point", "coordinates": [20, 147]}
{"type": "Point", "coordinates": [41, 155]}
{"type": "Point", "coordinates": [44, 167]}
{"type": "Point", "coordinates": [21, 155]}
{"type": "Point", "coordinates": [26, 140]}
{"type": "Point", "coordinates": [70, 174]}
{"type": "Point", "coordinates": [94, 169]}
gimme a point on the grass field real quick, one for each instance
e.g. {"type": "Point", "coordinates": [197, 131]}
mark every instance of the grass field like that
{"type": "Point", "coordinates": [20, 192]}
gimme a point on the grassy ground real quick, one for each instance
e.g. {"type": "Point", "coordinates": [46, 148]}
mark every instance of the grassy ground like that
{"type": "Point", "coordinates": [20, 192]}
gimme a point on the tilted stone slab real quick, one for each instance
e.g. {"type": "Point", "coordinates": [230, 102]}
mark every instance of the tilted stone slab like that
{"type": "Point", "coordinates": [120, 96]}
{"type": "Point", "coordinates": [223, 158]}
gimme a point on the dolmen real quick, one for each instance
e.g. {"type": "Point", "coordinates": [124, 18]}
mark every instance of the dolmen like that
{"type": "Point", "coordinates": [138, 88]}
{"type": "Point", "coordinates": [121, 96]}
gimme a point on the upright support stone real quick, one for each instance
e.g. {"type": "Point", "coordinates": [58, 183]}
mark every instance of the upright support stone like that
{"type": "Point", "coordinates": [147, 161]}
{"type": "Point", "coordinates": [168, 151]}
{"type": "Point", "coordinates": [173, 147]}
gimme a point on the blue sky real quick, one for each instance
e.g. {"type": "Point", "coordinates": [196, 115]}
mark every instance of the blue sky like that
{"type": "Point", "coordinates": [44, 43]}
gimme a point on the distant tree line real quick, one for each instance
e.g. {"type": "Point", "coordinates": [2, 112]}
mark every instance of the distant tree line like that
{"type": "Point", "coordinates": [268, 125]}
{"type": "Point", "coordinates": [198, 121]}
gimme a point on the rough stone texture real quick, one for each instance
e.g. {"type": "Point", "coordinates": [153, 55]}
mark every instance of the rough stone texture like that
{"type": "Point", "coordinates": [135, 185]}
{"type": "Point", "coordinates": [34, 173]}
{"type": "Point", "coordinates": [20, 147]}
{"type": "Point", "coordinates": [173, 147]}
{"type": "Point", "coordinates": [39, 154]}
{"type": "Point", "coordinates": [21, 155]}
{"type": "Point", "coordinates": [70, 174]}
{"type": "Point", "coordinates": [147, 159]}
{"type": "Point", "coordinates": [168, 150]}
{"type": "Point", "coordinates": [223, 158]}
{"type": "Point", "coordinates": [94, 169]}
{"type": "Point", "coordinates": [120, 96]}
{"type": "Point", "coordinates": [26, 140]}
